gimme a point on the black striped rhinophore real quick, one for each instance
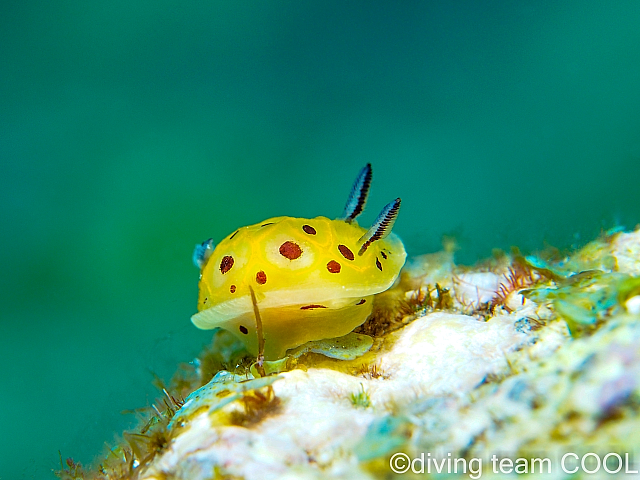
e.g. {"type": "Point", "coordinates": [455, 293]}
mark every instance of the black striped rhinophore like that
{"type": "Point", "coordinates": [358, 196]}
{"type": "Point", "coordinates": [382, 226]}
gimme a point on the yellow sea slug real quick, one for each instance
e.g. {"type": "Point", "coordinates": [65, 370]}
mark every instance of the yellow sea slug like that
{"type": "Point", "coordinates": [313, 278]}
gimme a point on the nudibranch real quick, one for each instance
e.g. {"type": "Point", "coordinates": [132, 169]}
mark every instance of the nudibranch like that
{"type": "Point", "coordinates": [313, 278]}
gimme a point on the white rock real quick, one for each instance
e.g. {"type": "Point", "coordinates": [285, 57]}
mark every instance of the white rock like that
{"type": "Point", "coordinates": [475, 288]}
{"type": "Point", "coordinates": [318, 424]}
{"type": "Point", "coordinates": [444, 353]}
{"type": "Point", "coordinates": [626, 248]}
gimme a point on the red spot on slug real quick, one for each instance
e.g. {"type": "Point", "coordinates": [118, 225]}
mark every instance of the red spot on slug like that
{"type": "Point", "coordinates": [361, 302]}
{"type": "Point", "coordinates": [309, 229]}
{"type": "Point", "coordinates": [333, 266]}
{"type": "Point", "coordinates": [226, 263]}
{"type": "Point", "coordinates": [261, 277]}
{"type": "Point", "coordinates": [290, 250]}
{"type": "Point", "coordinates": [346, 253]}
{"type": "Point", "coordinates": [232, 289]}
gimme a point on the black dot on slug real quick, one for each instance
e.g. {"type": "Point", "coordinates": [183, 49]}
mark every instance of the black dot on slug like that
{"type": "Point", "coordinates": [265, 224]}
{"type": "Point", "coordinates": [261, 277]}
{"type": "Point", "coordinates": [361, 302]}
{"type": "Point", "coordinates": [384, 255]}
{"type": "Point", "coordinates": [243, 329]}
{"type": "Point", "coordinates": [226, 263]}
{"type": "Point", "coordinates": [333, 266]}
{"type": "Point", "coordinates": [346, 253]}
{"type": "Point", "coordinates": [309, 229]}
{"type": "Point", "coordinates": [311, 307]}
{"type": "Point", "coordinates": [378, 264]}
{"type": "Point", "coordinates": [234, 234]}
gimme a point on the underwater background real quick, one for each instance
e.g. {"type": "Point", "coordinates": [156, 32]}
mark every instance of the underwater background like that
{"type": "Point", "coordinates": [130, 131]}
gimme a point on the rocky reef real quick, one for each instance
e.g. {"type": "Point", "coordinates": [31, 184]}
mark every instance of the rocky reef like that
{"type": "Point", "coordinates": [520, 364]}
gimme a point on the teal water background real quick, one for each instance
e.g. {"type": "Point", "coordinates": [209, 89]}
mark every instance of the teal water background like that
{"type": "Point", "coordinates": [130, 131]}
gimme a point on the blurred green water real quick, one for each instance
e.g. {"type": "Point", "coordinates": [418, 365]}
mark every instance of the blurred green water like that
{"type": "Point", "coordinates": [129, 132]}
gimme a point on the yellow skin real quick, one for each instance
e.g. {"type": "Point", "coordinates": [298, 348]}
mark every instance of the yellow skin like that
{"type": "Point", "coordinates": [309, 280]}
